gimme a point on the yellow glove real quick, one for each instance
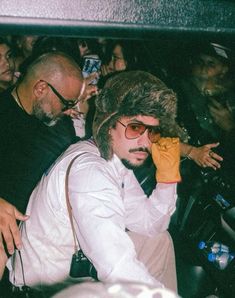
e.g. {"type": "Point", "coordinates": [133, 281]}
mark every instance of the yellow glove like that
{"type": "Point", "coordinates": [166, 157]}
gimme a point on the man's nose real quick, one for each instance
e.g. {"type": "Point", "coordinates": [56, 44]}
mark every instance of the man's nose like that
{"type": "Point", "coordinates": [144, 141]}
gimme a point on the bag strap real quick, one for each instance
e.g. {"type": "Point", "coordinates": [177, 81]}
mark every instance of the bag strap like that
{"type": "Point", "coordinates": [69, 207]}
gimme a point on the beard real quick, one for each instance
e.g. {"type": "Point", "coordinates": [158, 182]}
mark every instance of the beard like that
{"type": "Point", "coordinates": [129, 165]}
{"type": "Point", "coordinates": [46, 117]}
{"type": "Point", "coordinates": [132, 166]}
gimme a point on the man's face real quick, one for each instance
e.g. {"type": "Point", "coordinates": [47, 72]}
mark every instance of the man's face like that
{"type": "Point", "coordinates": [49, 108]}
{"type": "Point", "coordinates": [27, 42]}
{"type": "Point", "coordinates": [208, 67]}
{"type": "Point", "coordinates": [118, 62]}
{"type": "Point", "coordinates": [132, 152]}
{"type": "Point", "coordinates": [6, 64]}
{"type": "Point", "coordinates": [83, 47]}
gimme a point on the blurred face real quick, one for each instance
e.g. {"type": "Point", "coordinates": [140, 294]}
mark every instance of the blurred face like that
{"type": "Point", "coordinates": [49, 108]}
{"type": "Point", "coordinates": [7, 66]}
{"type": "Point", "coordinates": [83, 47]}
{"type": "Point", "coordinates": [207, 67]}
{"type": "Point", "coordinates": [132, 152]}
{"type": "Point", "coordinates": [27, 43]}
{"type": "Point", "coordinates": [118, 62]}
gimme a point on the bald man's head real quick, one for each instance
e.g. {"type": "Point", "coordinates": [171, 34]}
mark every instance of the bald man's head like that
{"type": "Point", "coordinates": [52, 66]}
{"type": "Point", "coordinates": [53, 82]}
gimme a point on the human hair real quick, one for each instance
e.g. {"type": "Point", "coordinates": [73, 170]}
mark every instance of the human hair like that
{"type": "Point", "coordinates": [129, 51]}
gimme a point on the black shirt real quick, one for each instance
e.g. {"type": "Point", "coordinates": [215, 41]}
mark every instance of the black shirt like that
{"type": "Point", "coordinates": [27, 149]}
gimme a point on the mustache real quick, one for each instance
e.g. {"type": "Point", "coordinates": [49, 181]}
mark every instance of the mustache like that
{"type": "Point", "coordinates": [140, 149]}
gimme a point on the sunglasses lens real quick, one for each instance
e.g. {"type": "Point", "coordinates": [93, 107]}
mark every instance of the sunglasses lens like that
{"type": "Point", "coordinates": [134, 130]}
{"type": "Point", "coordinates": [154, 134]}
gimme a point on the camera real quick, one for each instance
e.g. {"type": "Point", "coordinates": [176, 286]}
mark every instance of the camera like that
{"type": "Point", "coordinates": [81, 266]}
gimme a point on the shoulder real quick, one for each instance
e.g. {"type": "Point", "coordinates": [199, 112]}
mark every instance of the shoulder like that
{"type": "Point", "coordinates": [87, 155]}
{"type": "Point", "coordinates": [89, 167]}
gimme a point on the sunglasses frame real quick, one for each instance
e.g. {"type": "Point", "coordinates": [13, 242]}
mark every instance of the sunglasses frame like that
{"type": "Point", "coordinates": [68, 103]}
{"type": "Point", "coordinates": [150, 129]}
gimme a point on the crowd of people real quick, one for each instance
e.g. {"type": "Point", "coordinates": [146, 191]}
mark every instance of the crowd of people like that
{"type": "Point", "coordinates": [130, 126]}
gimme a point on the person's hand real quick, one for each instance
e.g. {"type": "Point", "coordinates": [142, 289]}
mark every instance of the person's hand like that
{"type": "Point", "coordinates": [105, 70]}
{"type": "Point", "coordinates": [75, 112]}
{"type": "Point", "coordinates": [166, 157]}
{"type": "Point", "coordinates": [3, 257]}
{"type": "Point", "coordinates": [8, 226]}
{"type": "Point", "coordinates": [205, 157]}
{"type": "Point", "coordinates": [82, 105]}
{"type": "Point", "coordinates": [90, 89]}
{"type": "Point", "coordinates": [222, 116]}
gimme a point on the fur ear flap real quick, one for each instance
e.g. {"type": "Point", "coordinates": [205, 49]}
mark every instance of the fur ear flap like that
{"type": "Point", "coordinates": [106, 102]}
{"type": "Point", "coordinates": [167, 99]}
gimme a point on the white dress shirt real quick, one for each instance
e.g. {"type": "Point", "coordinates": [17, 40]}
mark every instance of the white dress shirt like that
{"type": "Point", "coordinates": [106, 200]}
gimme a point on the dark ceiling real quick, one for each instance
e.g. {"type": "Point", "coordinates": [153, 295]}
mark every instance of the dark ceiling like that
{"type": "Point", "coordinates": [118, 18]}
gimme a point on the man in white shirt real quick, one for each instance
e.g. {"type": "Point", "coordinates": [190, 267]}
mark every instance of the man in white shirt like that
{"type": "Point", "coordinates": [120, 230]}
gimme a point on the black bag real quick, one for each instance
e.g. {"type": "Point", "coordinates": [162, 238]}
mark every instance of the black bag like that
{"type": "Point", "coordinates": [25, 292]}
{"type": "Point", "coordinates": [81, 266]}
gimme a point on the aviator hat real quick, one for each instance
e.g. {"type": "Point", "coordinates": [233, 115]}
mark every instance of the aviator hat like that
{"type": "Point", "coordinates": [132, 93]}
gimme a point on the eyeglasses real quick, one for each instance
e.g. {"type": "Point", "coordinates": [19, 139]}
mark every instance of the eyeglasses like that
{"type": "Point", "coordinates": [135, 130]}
{"type": "Point", "coordinates": [68, 103]}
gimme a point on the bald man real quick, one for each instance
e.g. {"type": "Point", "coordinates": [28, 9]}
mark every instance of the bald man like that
{"type": "Point", "coordinates": [31, 135]}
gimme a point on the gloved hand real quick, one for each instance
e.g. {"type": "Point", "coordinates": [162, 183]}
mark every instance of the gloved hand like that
{"type": "Point", "coordinates": [166, 157]}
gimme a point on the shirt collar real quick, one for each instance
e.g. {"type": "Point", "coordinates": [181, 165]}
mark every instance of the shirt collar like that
{"type": "Point", "coordinates": [119, 166]}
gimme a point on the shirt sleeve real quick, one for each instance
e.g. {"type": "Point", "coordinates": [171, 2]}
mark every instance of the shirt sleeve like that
{"type": "Point", "coordinates": [148, 215]}
{"type": "Point", "coordinates": [99, 212]}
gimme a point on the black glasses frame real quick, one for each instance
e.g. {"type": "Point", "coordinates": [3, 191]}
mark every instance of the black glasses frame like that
{"type": "Point", "coordinates": [68, 103]}
{"type": "Point", "coordinates": [151, 129]}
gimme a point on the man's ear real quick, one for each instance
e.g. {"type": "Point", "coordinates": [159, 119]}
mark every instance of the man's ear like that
{"type": "Point", "coordinates": [40, 88]}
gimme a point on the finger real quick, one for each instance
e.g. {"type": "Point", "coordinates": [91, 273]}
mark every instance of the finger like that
{"type": "Point", "coordinates": [15, 232]}
{"type": "Point", "coordinates": [213, 145]}
{"type": "Point", "coordinates": [213, 164]}
{"type": "Point", "coordinates": [67, 112]}
{"type": "Point", "coordinates": [74, 114]}
{"type": "Point", "coordinates": [105, 70]}
{"type": "Point", "coordinates": [207, 164]}
{"type": "Point", "coordinates": [215, 156]}
{"type": "Point", "coordinates": [91, 89]}
{"type": "Point", "coordinates": [3, 257]}
{"type": "Point", "coordinates": [7, 236]}
{"type": "Point", "coordinates": [91, 77]}
{"type": "Point", "coordinates": [20, 216]}
{"type": "Point", "coordinates": [89, 92]}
